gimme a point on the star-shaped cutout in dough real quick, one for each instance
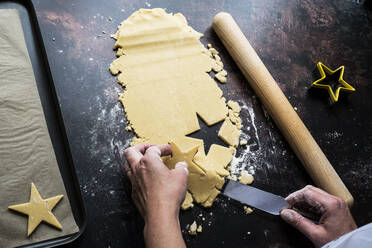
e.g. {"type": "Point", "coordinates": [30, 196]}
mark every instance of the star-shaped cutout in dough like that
{"type": "Point", "coordinates": [38, 210]}
{"type": "Point", "coordinates": [324, 72]}
{"type": "Point", "coordinates": [207, 133]}
{"type": "Point", "coordinates": [188, 156]}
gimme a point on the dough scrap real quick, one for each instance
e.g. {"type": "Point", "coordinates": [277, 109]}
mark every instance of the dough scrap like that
{"type": "Point", "coordinates": [187, 203]}
{"type": "Point", "coordinates": [193, 228]}
{"type": "Point", "coordinates": [243, 142]}
{"type": "Point", "coordinates": [38, 210]}
{"type": "Point", "coordinates": [200, 229]}
{"type": "Point", "coordinates": [234, 106]}
{"type": "Point", "coordinates": [246, 178]}
{"type": "Point", "coordinates": [213, 50]}
{"type": "Point", "coordinates": [230, 129]}
{"type": "Point", "coordinates": [218, 158]}
{"type": "Point", "coordinates": [232, 116]}
{"type": "Point", "coordinates": [221, 76]}
{"type": "Point", "coordinates": [217, 66]}
{"type": "Point", "coordinates": [164, 68]}
{"type": "Point", "coordinates": [247, 210]}
{"type": "Point", "coordinates": [232, 177]}
{"type": "Point", "coordinates": [229, 133]}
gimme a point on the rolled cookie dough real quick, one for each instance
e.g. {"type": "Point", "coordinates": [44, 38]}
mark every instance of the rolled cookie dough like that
{"type": "Point", "coordinates": [164, 68]}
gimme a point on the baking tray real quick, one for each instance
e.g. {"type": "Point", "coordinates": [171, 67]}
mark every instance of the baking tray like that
{"type": "Point", "coordinates": [53, 116]}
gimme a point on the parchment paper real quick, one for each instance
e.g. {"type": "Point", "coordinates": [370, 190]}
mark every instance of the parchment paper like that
{"type": "Point", "coordinates": [26, 151]}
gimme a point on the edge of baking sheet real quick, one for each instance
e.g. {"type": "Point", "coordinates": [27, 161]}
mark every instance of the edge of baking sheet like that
{"type": "Point", "coordinates": [53, 117]}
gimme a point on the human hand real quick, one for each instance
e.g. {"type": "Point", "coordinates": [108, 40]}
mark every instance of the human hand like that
{"type": "Point", "coordinates": [335, 220]}
{"type": "Point", "coordinates": [156, 191]}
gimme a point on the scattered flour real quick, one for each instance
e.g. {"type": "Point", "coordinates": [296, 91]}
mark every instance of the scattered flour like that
{"type": "Point", "coordinates": [334, 135]}
{"type": "Point", "coordinates": [249, 155]}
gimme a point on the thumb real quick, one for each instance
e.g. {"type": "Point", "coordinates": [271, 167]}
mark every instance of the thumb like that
{"type": "Point", "coordinates": [299, 222]}
{"type": "Point", "coordinates": [181, 172]}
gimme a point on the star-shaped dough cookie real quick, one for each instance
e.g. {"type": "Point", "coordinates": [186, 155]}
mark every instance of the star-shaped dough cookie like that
{"type": "Point", "coordinates": [320, 83]}
{"type": "Point", "coordinates": [38, 210]}
{"type": "Point", "coordinates": [180, 156]}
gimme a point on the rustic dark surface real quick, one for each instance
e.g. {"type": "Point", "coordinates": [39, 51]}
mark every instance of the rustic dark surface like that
{"type": "Point", "coordinates": [290, 37]}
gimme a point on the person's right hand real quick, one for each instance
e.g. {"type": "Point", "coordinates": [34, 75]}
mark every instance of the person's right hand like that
{"type": "Point", "coordinates": [335, 220]}
{"type": "Point", "coordinates": [156, 190]}
{"type": "Point", "coordinates": [158, 193]}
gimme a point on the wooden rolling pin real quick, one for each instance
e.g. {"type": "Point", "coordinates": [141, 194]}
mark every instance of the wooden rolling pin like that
{"type": "Point", "coordinates": [285, 117]}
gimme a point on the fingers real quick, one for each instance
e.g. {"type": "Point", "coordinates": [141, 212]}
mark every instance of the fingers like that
{"type": "Point", "coordinates": [180, 173]}
{"type": "Point", "coordinates": [127, 168]}
{"type": "Point", "coordinates": [333, 202]}
{"type": "Point", "coordinates": [162, 150]}
{"type": "Point", "coordinates": [182, 166]}
{"type": "Point", "coordinates": [134, 154]}
{"type": "Point", "coordinates": [299, 222]}
{"type": "Point", "coordinates": [312, 196]}
{"type": "Point", "coordinates": [166, 150]}
{"type": "Point", "coordinates": [152, 157]}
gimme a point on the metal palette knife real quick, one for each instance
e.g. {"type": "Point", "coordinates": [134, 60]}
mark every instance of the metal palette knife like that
{"type": "Point", "coordinates": [254, 197]}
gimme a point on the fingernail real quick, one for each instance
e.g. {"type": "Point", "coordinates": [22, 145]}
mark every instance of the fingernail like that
{"type": "Point", "coordinates": [184, 165]}
{"type": "Point", "coordinates": [286, 215]}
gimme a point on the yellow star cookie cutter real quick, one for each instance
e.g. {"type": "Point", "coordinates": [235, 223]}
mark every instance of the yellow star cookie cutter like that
{"type": "Point", "coordinates": [324, 72]}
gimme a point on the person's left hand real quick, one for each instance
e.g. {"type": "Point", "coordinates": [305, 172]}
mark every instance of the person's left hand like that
{"type": "Point", "coordinates": [156, 190]}
{"type": "Point", "coordinates": [335, 221]}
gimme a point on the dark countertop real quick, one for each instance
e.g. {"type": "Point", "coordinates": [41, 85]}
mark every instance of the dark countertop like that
{"type": "Point", "coordinates": [289, 36]}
